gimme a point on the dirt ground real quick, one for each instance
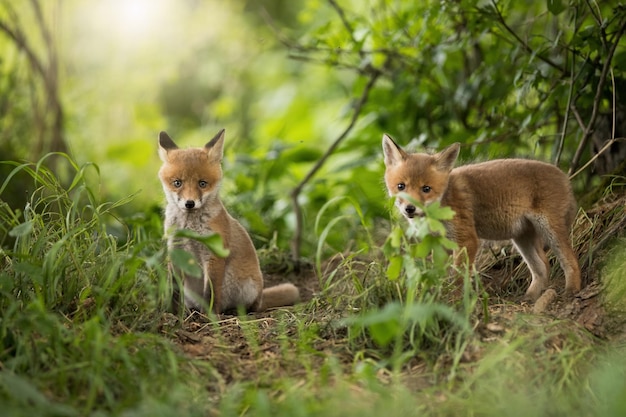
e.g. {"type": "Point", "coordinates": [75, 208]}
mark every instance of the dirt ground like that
{"type": "Point", "coordinates": [504, 277]}
{"type": "Point", "coordinates": [226, 342]}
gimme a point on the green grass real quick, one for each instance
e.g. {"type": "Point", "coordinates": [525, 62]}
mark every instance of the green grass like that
{"type": "Point", "coordinates": [84, 330]}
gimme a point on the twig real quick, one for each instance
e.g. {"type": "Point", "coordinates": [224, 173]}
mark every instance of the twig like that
{"type": "Point", "coordinates": [566, 118]}
{"type": "Point", "coordinates": [600, 152]}
{"type": "Point", "coordinates": [596, 101]}
{"type": "Point", "coordinates": [578, 117]}
{"type": "Point", "coordinates": [522, 42]}
{"type": "Point", "coordinates": [344, 20]}
{"type": "Point", "coordinates": [295, 193]}
{"type": "Point", "coordinates": [611, 141]}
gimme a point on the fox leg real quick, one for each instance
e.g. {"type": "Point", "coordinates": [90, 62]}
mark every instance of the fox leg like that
{"type": "Point", "coordinates": [213, 282]}
{"type": "Point", "coordinates": [569, 263]}
{"type": "Point", "coordinates": [192, 291]}
{"type": "Point", "coordinates": [530, 246]}
{"type": "Point", "coordinates": [467, 238]}
{"type": "Point", "coordinates": [557, 237]}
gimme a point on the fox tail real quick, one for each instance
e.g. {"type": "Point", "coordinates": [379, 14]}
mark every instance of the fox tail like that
{"type": "Point", "coordinates": [280, 296]}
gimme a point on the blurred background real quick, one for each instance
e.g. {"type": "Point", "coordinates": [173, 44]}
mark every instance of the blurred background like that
{"type": "Point", "coordinates": [291, 79]}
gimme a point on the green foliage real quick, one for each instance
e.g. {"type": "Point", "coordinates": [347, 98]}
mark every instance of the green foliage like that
{"type": "Point", "coordinates": [83, 282]}
{"type": "Point", "coordinates": [427, 303]}
{"type": "Point", "coordinates": [83, 331]}
{"type": "Point", "coordinates": [62, 255]}
{"type": "Point", "coordinates": [614, 279]}
{"type": "Point", "coordinates": [75, 304]}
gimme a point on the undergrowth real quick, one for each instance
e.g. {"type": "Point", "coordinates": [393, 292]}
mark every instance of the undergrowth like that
{"type": "Point", "coordinates": [394, 330]}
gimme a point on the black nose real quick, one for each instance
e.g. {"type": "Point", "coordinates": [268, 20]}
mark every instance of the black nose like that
{"type": "Point", "coordinates": [191, 204]}
{"type": "Point", "coordinates": [410, 209]}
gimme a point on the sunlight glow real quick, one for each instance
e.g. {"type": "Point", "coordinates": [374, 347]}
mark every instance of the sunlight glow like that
{"type": "Point", "coordinates": [137, 16]}
{"type": "Point", "coordinates": [129, 22]}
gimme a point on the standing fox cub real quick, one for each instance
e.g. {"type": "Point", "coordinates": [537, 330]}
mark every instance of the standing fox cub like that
{"type": "Point", "coordinates": [191, 180]}
{"type": "Point", "coordinates": [530, 202]}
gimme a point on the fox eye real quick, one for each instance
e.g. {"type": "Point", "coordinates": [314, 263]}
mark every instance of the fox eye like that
{"type": "Point", "coordinates": [401, 186]}
{"type": "Point", "coordinates": [177, 183]}
{"type": "Point", "coordinates": [426, 189]}
{"type": "Point", "coordinates": [202, 183]}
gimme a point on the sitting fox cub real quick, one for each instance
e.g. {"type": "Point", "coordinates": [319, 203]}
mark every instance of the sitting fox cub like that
{"type": "Point", "coordinates": [191, 180]}
{"type": "Point", "coordinates": [530, 202]}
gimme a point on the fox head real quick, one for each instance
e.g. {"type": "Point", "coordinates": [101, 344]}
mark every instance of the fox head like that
{"type": "Point", "coordinates": [191, 177]}
{"type": "Point", "coordinates": [422, 176]}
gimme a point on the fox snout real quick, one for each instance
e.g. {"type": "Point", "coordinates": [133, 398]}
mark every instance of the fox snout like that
{"type": "Point", "coordinates": [409, 210]}
{"type": "Point", "coordinates": [187, 204]}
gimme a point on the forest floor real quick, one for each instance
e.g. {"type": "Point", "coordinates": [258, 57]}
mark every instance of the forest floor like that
{"type": "Point", "coordinates": [273, 351]}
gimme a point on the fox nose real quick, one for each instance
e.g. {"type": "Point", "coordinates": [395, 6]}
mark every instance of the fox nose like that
{"type": "Point", "coordinates": [410, 209]}
{"type": "Point", "coordinates": [190, 204]}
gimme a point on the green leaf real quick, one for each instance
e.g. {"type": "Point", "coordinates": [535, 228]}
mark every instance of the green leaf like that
{"type": "Point", "coordinates": [436, 226]}
{"type": "Point", "coordinates": [394, 268]}
{"type": "Point", "coordinates": [212, 241]}
{"type": "Point", "coordinates": [424, 248]}
{"type": "Point", "coordinates": [437, 212]}
{"type": "Point", "coordinates": [383, 325]}
{"type": "Point", "coordinates": [396, 237]}
{"type": "Point", "coordinates": [22, 229]}
{"type": "Point", "coordinates": [555, 7]}
{"type": "Point", "coordinates": [185, 262]}
{"type": "Point", "coordinates": [384, 332]}
{"type": "Point", "coordinates": [412, 272]}
{"type": "Point", "coordinates": [440, 256]}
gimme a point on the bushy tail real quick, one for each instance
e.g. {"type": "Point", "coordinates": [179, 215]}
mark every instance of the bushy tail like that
{"type": "Point", "coordinates": [279, 296]}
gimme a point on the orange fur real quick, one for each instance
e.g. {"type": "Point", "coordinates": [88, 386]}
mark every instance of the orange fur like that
{"type": "Point", "coordinates": [191, 180]}
{"type": "Point", "coordinates": [528, 201]}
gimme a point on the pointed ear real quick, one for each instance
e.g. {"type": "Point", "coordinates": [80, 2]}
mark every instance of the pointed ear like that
{"type": "Point", "coordinates": [215, 147]}
{"type": "Point", "coordinates": [165, 144]}
{"type": "Point", "coordinates": [393, 153]}
{"type": "Point", "coordinates": [447, 157]}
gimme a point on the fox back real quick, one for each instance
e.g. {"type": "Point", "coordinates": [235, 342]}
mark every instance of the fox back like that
{"type": "Point", "coordinates": [528, 201]}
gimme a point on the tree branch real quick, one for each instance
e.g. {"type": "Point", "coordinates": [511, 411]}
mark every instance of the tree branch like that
{"type": "Point", "coordinates": [597, 99]}
{"type": "Point", "coordinates": [295, 193]}
{"type": "Point", "coordinates": [522, 42]}
{"type": "Point", "coordinates": [344, 20]}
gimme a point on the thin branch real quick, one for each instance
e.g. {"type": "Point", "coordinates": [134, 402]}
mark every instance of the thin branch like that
{"type": "Point", "coordinates": [610, 142]}
{"type": "Point", "coordinates": [522, 42]}
{"type": "Point", "coordinates": [344, 19]}
{"type": "Point", "coordinates": [578, 118]}
{"type": "Point", "coordinates": [570, 94]}
{"type": "Point", "coordinates": [597, 16]}
{"type": "Point", "coordinates": [596, 101]}
{"type": "Point", "coordinates": [17, 36]}
{"type": "Point", "coordinates": [566, 118]}
{"type": "Point", "coordinates": [295, 193]}
{"type": "Point", "coordinates": [606, 146]}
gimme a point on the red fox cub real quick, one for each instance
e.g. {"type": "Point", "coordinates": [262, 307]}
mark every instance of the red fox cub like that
{"type": "Point", "coordinates": [191, 180]}
{"type": "Point", "coordinates": [530, 202]}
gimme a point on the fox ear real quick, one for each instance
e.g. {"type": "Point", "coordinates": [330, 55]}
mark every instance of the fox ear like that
{"type": "Point", "coordinates": [447, 157]}
{"type": "Point", "coordinates": [215, 147]}
{"type": "Point", "coordinates": [165, 144]}
{"type": "Point", "coordinates": [393, 153]}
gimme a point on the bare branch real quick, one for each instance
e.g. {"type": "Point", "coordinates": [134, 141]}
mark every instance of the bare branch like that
{"type": "Point", "coordinates": [606, 146]}
{"type": "Point", "coordinates": [295, 193]}
{"type": "Point", "coordinates": [46, 72]}
{"type": "Point", "coordinates": [522, 42]}
{"type": "Point", "coordinates": [597, 99]}
{"type": "Point", "coordinates": [344, 19]}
